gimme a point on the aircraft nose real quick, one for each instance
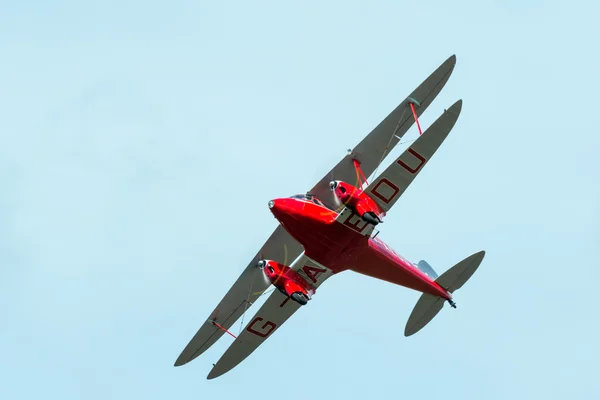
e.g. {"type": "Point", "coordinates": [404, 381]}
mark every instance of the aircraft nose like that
{"type": "Point", "coordinates": [277, 207]}
{"type": "Point", "coordinates": [274, 206]}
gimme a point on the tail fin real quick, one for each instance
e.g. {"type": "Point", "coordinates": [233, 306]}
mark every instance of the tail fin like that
{"type": "Point", "coordinates": [428, 305]}
{"type": "Point", "coordinates": [426, 268]}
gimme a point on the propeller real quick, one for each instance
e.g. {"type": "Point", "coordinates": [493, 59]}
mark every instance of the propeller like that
{"type": "Point", "coordinates": [338, 204]}
{"type": "Point", "coordinates": [260, 281]}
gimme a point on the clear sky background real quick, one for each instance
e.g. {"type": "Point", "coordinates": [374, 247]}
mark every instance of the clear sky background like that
{"type": "Point", "coordinates": [141, 142]}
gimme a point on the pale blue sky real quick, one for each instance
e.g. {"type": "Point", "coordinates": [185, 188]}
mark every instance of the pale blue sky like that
{"type": "Point", "coordinates": [141, 142]}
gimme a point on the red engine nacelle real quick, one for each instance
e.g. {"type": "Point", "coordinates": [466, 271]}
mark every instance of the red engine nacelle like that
{"type": "Point", "coordinates": [287, 281]}
{"type": "Point", "coordinates": [358, 201]}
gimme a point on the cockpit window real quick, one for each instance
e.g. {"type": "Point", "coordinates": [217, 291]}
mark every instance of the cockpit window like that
{"type": "Point", "coordinates": [307, 197]}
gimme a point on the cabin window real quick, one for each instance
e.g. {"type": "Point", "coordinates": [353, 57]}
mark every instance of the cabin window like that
{"type": "Point", "coordinates": [308, 197]}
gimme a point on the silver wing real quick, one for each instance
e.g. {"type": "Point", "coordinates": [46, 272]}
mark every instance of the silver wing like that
{"type": "Point", "coordinates": [377, 144]}
{"type": "Point", "coordinates": [276, 310]}
{"type": "Point", "coordinates": [387, 188]}
{"type": "Point", "coordinates": [252, 283]}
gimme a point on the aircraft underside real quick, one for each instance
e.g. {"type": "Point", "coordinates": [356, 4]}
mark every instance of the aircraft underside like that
{"type": "Point", "coordinates": [331, 229]}
{"type": "Point", "coordinates": [338, 247]}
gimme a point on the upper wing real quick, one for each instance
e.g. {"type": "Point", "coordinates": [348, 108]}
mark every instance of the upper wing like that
{"type": "Point", "coordinates": [377, 144]}
{"type": "Point", "coordinates": [276, 310]}
{"type": "Point", "coordinates": [389, 186]}
{"type": "Point", "coordinates": [280, 247]}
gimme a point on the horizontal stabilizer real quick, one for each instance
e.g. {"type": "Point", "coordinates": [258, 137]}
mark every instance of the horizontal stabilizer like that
{"type": "Point", "coordinates": [456, 276]}
{"type": "Point", "coordinates": [427, 307]}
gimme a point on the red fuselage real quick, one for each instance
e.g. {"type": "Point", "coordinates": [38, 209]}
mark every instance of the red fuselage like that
{"type": "Point", "coordinates": [339, 247]}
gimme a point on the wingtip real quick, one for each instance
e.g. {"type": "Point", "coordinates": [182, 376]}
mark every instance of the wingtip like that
{"type": "Point", "coordinates": [456, 108]}
{"type": "Point", "coordinates": [180, 361]}
{"type": "Point", "coordinates": [219, 369]}
{"type": "Point", "coordinates": [451, 60]}
{"type": "Point", "coordinates": [212, 375]}
{"type": "Point", "coordinates": [409, 332]}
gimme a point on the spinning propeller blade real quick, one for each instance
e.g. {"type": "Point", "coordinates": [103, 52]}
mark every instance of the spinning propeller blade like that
{"type": "Point", "coordinates": [260, 281]}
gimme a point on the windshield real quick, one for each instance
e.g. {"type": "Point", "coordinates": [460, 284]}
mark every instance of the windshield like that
{"type": "Point", "coordinates": [307, 197]}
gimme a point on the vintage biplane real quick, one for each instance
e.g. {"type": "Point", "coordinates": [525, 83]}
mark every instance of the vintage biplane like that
{"type": "Point", "coordinates": [332, 229]}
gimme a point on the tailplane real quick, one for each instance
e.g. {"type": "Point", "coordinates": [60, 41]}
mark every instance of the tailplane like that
{"type": "Point", "coordinates": [428, 305]}
{"type": "Point", "coordinates": [455, 277]}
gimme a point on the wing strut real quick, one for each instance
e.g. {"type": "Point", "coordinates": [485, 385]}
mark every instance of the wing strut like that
{"type": "Point", "coordinates": [412, 103]}
{"type": "Point", "coordinates": [221, 327]}
{"type": "Point", "coordinates": [414, 112]}
{"type": "Point", "coordinates": [264, 292]}
{"type": "Point", "coordinates": [360, 175]}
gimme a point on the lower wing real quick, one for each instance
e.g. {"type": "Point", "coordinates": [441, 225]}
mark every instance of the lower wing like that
{"type": "Point", "coordinates": [251, 284]}
{"type": "Point", "coordinates": [387, 188]}
{"type": "Point", "coordinates": [274, 312]}
{"type": "Point", "coordinates": [372, 150]}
